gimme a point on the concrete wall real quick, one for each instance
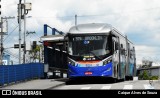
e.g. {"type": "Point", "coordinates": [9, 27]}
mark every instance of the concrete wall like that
{"type": "Point", "coordinates": [155, 72]}
{"type": "Point", "coordinates": [151, 71]}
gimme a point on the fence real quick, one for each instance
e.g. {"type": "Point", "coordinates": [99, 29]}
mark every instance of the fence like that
{"type": "Point", "coordinates": [14, 73]}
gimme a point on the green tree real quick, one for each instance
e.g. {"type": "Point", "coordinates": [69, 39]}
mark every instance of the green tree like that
{"type": "Point", "coordinates": [145, 75]}
{"type": "Point", "coordinates": [35, 53]}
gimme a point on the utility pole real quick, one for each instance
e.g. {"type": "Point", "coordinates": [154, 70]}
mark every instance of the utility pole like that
{"type": "Point", "coordinates": [1, 57]}
{"type": "Point", "coordinates": [23, 9]}
{"type": "Point", "coordinates": [3, 32]}
{"type": "Point", "coordinates": [24, 59]}
{"type": "Point", "coordinates": [19, 21]}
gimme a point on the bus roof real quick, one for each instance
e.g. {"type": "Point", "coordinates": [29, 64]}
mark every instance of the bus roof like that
{"type": "Point", "coordinates": [52, 38]}
{"type": "Point", "coordinates": [91, 28]}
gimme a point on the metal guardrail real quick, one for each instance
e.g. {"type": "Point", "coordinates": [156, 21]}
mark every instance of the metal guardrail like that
{"type": "Point", "coordinates": [14, 73]}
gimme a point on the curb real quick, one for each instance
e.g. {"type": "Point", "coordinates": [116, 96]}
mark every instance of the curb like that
{"type": "Point", "coordinates": [54, 86]}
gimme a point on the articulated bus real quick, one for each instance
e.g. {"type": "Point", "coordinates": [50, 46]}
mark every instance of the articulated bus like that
{"type": "Point", "coordinates": [99, 50]}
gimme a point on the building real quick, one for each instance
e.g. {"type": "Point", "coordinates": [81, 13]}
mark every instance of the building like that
{"type": "Point", "coordinates": [147, 63]}
{"type": "Point", "coordinates": [6, 59]}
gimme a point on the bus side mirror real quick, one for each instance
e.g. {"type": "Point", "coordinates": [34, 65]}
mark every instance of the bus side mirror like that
{"type": "Point", "coordinates": [116, 46]}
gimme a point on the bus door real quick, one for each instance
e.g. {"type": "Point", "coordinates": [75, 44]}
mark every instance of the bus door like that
{"type": "Point", "coordinates": [115, 59]}
{"type": "Point", "coordinates": [122, 67]}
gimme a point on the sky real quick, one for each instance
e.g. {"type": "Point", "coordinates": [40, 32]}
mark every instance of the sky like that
{"type": "Point", "coordinates": [138, 19]}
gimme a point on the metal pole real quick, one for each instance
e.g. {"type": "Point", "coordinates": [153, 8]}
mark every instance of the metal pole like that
{"type": "Point", "coordinates": [39, 53]}
{"type": "Point", "coordinates": [2, 48]}
{"type": "Point", "coordinates": [1, 41]}
{"type": "Point", "coordinates": [24, 33]}
{"type": "Point", "coordinates": [128, 55]}
{"type": "Point", "coordinates": [19, 14]}
{"type": "Point", "coordinates": [159, 74]}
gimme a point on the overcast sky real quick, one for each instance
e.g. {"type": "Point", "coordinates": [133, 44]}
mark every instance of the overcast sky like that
{"type": "Point", "coordinates": [138, 19]}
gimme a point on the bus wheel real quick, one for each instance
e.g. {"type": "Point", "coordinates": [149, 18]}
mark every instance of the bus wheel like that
{"type": "Point", "coordinates": [127, 78]}
{"type": "Point", "coordinates": [131, 78]}
{"type": "Point", "coordinates": [114, 80]}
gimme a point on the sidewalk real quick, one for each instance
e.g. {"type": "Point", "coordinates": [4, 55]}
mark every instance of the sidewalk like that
{"type": "Point", "coordinates": [40, 84]}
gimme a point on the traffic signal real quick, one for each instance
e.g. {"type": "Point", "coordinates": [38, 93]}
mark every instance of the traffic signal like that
{"type": "Point", "coordinates": [34, 44]}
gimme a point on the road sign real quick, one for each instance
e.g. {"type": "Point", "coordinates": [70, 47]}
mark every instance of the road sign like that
{"type": "Point", "coordinates": [17, 45]}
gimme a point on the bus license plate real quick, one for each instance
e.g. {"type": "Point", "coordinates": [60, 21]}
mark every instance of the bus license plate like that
{"type": "Point", "coordinates": [88, 73]}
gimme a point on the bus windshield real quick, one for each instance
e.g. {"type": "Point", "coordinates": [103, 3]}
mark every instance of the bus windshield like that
{"type": "Point", "coordinates": [89, 45]}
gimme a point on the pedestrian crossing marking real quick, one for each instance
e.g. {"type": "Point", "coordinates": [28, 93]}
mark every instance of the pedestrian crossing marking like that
{"type": "Point", "coordinates": [85, 88]}
{"type": "Point", "coordinates": [109, 87]}
{"type": "Point", "coordinates": [106, 87]}
{"type": "Point", "coordinates": [147, 86]}
{"type": "Point", "coordinates": [128, 86]}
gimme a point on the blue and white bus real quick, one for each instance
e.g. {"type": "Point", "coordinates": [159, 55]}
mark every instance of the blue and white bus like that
{"type": "Point", "coordinates": [99, 50]}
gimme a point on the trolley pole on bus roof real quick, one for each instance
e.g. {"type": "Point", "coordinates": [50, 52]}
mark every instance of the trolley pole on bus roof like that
{"type": "Point", "coordinates": [76, 19]}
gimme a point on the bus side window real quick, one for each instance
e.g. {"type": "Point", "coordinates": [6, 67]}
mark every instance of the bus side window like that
{"type": "Point", "coordinates": [115, 47]}
{"type": "Point", "coordinates": [122, 50]}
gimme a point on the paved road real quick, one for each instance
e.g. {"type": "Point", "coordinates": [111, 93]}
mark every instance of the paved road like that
{"type": "Point", "coordinates": [36, 84]}
{"type": "Point", "coordinates": [128, 85]}
{"type": "Point", "coordinates": [64, 84]}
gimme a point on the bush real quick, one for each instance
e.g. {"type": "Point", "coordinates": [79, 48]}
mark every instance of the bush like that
{"type": "Point", "coordinates": [145, 76]}
{"type": "Point", "coordinates": [154, 78]}
{"type": "Point", "coordinates": [140, 76]}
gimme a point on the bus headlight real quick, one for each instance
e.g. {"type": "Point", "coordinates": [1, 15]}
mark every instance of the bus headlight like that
{"type": "Point", "coordinates": [70, 62]}
{"type": "Point", "coordinates": [107, 61]}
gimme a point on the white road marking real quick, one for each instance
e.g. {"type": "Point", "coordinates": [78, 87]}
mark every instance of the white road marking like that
{"type": "Point", "coordinates": [128, 86]}
{"type": "Point", "coordinates": [85, 88]}
{"type": "Point", "coordinates": [147, 86]}
{"type": "Point", "coordinates": [106, 87]}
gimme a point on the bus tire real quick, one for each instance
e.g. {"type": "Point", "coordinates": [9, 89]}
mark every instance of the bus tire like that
{"type": "Point", "coordinates": [127, 78]}
{"type": "Point", "coordinates": [114, 80]}
{"type": "Point", "coordinates": [131, 77]}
